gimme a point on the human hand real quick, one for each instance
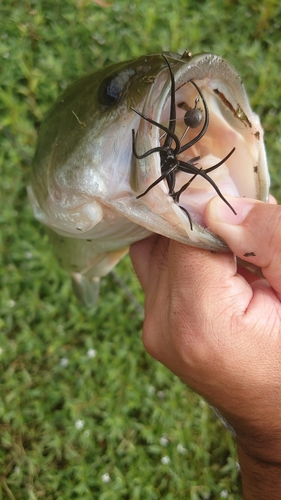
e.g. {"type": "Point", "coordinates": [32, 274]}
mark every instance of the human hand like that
{"type": "Point", "coordinates": [218, 327]}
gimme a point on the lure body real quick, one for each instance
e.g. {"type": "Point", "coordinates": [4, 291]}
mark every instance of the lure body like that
{"type": "Point", "coordinates": [86, 180]}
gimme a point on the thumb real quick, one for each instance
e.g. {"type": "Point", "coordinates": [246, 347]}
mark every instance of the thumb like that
{"type": "Point", "coordinates": [254, 234]}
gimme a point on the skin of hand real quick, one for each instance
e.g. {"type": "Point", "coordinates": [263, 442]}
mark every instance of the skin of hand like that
{"type": "Point", "coordinates": [218, 327]}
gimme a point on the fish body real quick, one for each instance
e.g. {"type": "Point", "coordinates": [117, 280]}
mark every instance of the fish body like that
{"type": "Point", "coordinates": [90, 174]}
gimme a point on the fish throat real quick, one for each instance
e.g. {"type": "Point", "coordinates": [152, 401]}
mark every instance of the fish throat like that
{"type": "Point", "coordinates": [171, 146]}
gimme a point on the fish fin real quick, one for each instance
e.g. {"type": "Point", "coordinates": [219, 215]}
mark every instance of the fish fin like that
{"type": "Point", "coordinates": [86, 289]}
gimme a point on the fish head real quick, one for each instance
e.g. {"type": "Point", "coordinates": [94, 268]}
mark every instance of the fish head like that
{"type": "Point", "coordinates": [139, 148]}
{"type": "Point", "coordinates": [83, 157]}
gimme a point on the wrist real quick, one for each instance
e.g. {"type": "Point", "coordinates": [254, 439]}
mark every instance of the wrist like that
{"type": "Point", "coordinates": [261, 478]}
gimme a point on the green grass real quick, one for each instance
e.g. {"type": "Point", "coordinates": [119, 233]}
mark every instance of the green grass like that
{"type": "Point", "coordinates": [81, 403]}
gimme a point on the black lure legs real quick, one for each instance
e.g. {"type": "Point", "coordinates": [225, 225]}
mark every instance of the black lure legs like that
{"type": "Point", "coordinates": [170, 163]}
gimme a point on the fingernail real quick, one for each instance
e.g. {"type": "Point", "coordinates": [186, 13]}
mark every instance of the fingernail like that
{"type": "Point", "coordinates": [220, 211]}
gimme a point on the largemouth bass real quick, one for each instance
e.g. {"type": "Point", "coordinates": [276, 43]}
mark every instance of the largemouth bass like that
{"type": "Point", "coordinates": [140, 147]}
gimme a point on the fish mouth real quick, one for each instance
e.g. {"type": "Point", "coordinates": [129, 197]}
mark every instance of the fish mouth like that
{"type": "Point", "coordinates": [203, 137]}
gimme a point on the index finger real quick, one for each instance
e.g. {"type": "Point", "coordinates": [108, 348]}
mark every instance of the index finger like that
{"type": "Point", "coordinates": [148, 256]}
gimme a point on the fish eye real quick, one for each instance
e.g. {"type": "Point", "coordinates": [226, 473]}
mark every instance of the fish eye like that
{"type": "Point", "coordinates": [111, 88]}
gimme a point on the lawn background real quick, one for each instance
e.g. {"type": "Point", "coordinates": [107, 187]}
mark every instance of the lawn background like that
{"type": "Point", "coordinates": [85, 413]}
